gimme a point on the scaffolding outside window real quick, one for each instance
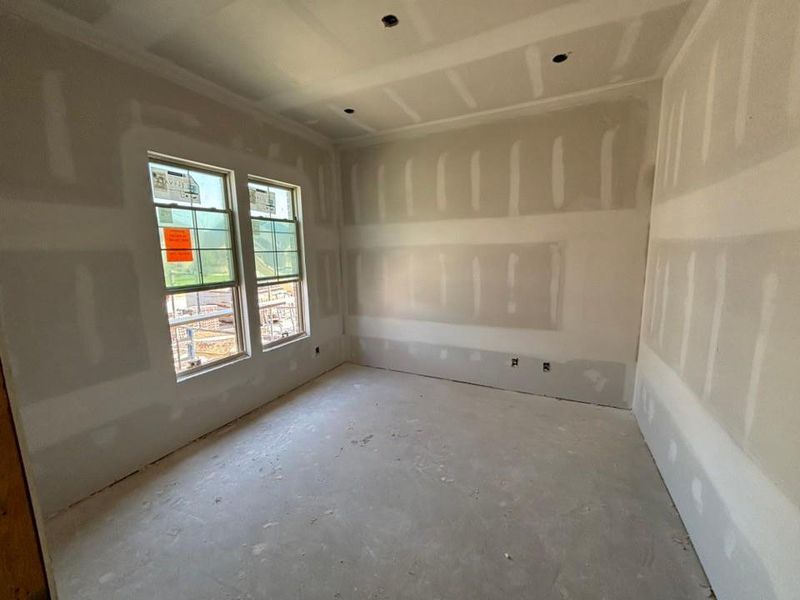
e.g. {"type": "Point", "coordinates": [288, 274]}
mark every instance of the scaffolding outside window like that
{"type": "Point", "coordinates": [194, 217]}
{"type": "Point", "coordinates": [277, 248]}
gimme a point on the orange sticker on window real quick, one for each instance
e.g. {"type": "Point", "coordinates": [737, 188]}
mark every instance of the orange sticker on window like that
{"type": "Point", "coordinates": [178, 243]}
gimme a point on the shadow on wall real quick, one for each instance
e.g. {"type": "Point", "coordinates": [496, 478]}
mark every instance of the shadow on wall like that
{"type": "Point", "coordinates": [327, 282]}
{"type": "Point", "coordinates": [72, 318]}
{"type": "Point", "coordinates": [116, 448]}
{"type": "Point", "coordinates": [700, 505]}
{"type": "Point", "coordinates": [111, 440]}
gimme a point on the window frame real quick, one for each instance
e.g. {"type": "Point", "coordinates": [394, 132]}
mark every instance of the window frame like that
{"type": "Point", "coordinates": [239, 314]}
{"type": "Point", "coordinates": [299, 279]}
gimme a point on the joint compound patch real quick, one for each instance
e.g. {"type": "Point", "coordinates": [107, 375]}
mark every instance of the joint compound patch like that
{"type": "Point", "coordinates": [596, 377]}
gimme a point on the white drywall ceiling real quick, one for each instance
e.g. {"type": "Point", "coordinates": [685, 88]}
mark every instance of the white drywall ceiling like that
{"type": "Point", "coordinates": [309, 59]}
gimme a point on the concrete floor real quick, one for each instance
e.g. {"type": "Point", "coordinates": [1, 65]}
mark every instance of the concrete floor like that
{"type": "Point", "coordinates": [371, 484]}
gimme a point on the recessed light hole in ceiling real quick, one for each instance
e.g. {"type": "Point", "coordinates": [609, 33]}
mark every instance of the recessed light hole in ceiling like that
{"type": "Point", "coordinates": [390, 21]}
{"type": "Point", "coordinates": [559, 58]}
{"type": "Point", "coordinates": [349, 111]}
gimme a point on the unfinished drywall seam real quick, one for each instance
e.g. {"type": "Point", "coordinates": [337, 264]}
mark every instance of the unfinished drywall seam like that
{"type": "Point", "coordinates": [558, 172]}
{"type": "Point", "coordinates": [688, 306]}
{"type": "Point", "coordinates": [769, 291]}
{"type": "Point", "coordinates": [720, 270]}
{"type": "Point", "coordinates": [513, 201]}
{"type": "Point", "coordinates": [743, 94]}
{"type": "Point", "coordinates": [629, 38]}
{"type": "Point", "coordinates": [708, 122]}
{"type": "Point", "coordinates": [408, 183]}
{"type": "Point", "coordinates": [607, 167]}
{"type": "Point", "coordinates": [475, 180]}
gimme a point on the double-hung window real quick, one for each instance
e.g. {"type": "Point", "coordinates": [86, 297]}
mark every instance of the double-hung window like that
{"type": "Point", "coordinates": [277, 246]}
{"type": "Point", "coordinates": [195, 226]}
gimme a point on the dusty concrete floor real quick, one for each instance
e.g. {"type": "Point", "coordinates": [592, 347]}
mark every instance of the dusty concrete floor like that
{"type": "Point", "coordinates": [379, 485]}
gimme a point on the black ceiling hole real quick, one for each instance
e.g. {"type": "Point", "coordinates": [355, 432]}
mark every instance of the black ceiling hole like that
{"type": "Point", "coordinates": [559, 58]}
{"type": "Point", "coordinates": [349, 111]}
{"type": "Point", "coordinates": [390, 21]}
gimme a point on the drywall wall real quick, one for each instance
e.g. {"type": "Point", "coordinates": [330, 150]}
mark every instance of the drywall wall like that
{"type": "Point", "coordinates": [518, 238]}
{"type": "Point", "coordinates": [718, 386]}
{"type": "Point", "coordinates": [84, 337]}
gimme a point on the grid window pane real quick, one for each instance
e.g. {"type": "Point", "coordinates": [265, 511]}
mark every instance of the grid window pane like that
{"type": "Point", "coordinates": [180, 273]}
{"type": "Point", "coordinates": [217, 266]}
{"type": "Point", "coordinates": [262, 225]}
{"type": "Point", "coordinates": [288, 264]}
{"type": "Point", "coordinates": [211, 220]}
{"type": "Point", "coordinates": [285, 240]}
{"type": "Point", "coordinates": [280, 312]}
{"type": "Point", "coordinates": [174, 217]}
{"type": "Point", "coordinates": [265, 265]}
{"type": "Point", "coordinates": [202, 327]}
{"type": "Point", "coordinates": [213, 239]}
{"type": "Point", "coordinates": [264, 241]}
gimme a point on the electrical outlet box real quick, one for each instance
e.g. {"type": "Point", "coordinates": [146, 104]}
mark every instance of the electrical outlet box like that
{"type": "Point", "coordinates": [515, 362]}
{"type": "Point", "coordinates": [546, 367]}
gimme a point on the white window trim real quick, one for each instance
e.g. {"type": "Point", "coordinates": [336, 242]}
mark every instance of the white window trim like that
{"type": "Point", "coordinates": [304, 313]}
{"type": "Point", "coordinates": [240, 313]}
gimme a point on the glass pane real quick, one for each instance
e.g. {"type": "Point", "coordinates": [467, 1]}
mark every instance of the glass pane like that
{"type": "Point", "coordinates": [264, 242]}
{"type": "Point", "coordinates": [174, 217]}
{"type": "Point", "coordinates": [211, 220]}
{"type": "Point", "coordinates": [283, 203]}
{"type": "Point", "coordinates": [212, 189]}
{"type": "Point", "coordinates": [270, 201]}
{"type": "Point", "coordinates": [279, 307]}
{"type": "Point", "coordinates": [178, 271]}
{"type": "Point", "coordinates": [288, 264]}
{"type": "Point", "coordinates": [285, 241]}
{"type": "Point", "coordinates": [285, 227]}
{"type": "Point", "coordinates": [181, 185]}
{"type": "Point", "coordinates": [285, 236]}
{"type": "Point", "coordinates": [265, 265]}
{"type": "Point", "coordinates": [212, 238]}
{"type": "Point", "coordinates": [262, 225]}
{"type": "Point", "coordinates": [217, 265]}
{"type": "Point", "coordinates": [203, 327]}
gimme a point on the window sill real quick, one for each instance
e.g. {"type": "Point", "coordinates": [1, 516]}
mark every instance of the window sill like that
{"type": "Point", "coordinates": [202, 370]}
{"type": "Point", "coordinates": [284, 342]}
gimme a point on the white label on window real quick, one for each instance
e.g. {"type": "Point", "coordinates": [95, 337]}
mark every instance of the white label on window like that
{"type": "Point", "coordinates": [175, 186]}
{"type": "Point", "coordinates": [262, 200]}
